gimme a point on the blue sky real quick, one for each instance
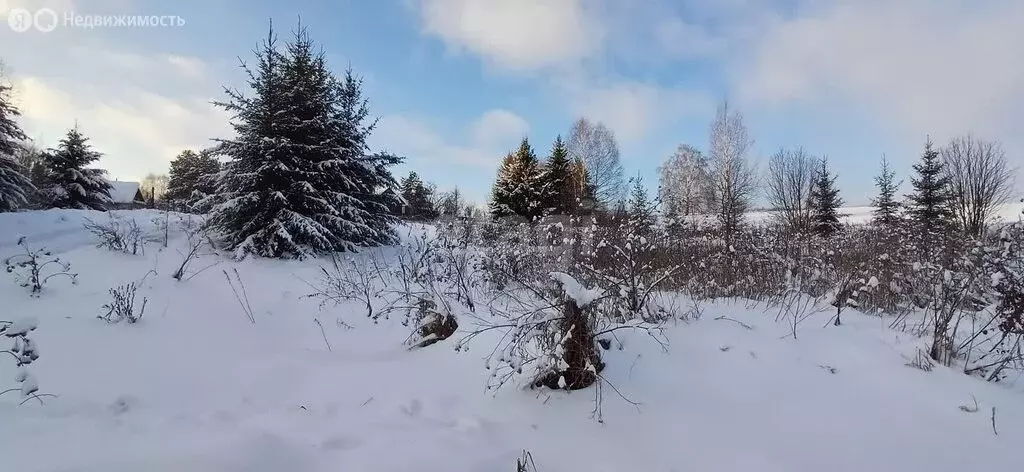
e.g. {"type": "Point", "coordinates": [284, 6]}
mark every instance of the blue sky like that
{"type": "Point", "coordinates": [456, 83]}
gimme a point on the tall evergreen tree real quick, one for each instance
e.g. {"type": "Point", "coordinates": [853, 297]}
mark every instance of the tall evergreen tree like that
{"type": "Point", "coordinates": [825, 202]}
{"type": "Point", "coordinates": [192, 176]}
{"type": "Point", "coordinates": [300, 180]}
{"type": "Point", "coordinates": [518, 190]}
{"type": "Point", "coordinates": [929, 203]}
{"type": "Point", "coordinates": [560, 199]}
{"type": "Point", "coordinates": [373, 190]}
{"type": "Point", "coordinates": [70, 184]}
{"type": "Point", "coordinates": [418, 198]}
{"type": "Point", "coordinates": [15, 186]}
{"type": "Point", "coordinates": [886, 212]}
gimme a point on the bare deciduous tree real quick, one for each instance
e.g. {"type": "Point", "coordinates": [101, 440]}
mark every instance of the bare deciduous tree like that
{"type": "Point", "coordinates": [685, 182]}
{"type": "Point", "coordinates": [732, 177]}
{"type": "Point", "coordinates": [789, 181]}
{"type": "Point", "coordinates": [594, 145]}
{"type": "Point", "coordinates": [980, 179]}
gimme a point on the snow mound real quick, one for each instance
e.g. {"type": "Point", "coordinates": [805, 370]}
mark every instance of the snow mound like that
{"type": "Point", "coordinates": [576, 291]}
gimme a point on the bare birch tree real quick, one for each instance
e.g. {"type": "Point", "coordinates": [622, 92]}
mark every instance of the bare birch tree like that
{"type": "Point", "coordinates": [684, 182]}
{"type": "Point", "coordinates": [789, 181]}
{"type": "Point", "coordinates": [732, 177]}
{"type": "Point", "coordinates": [595, 146]}
{"type": "Point", "coordinates": [980, 179]}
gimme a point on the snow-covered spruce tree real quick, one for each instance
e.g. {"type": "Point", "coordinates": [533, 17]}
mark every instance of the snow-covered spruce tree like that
{"type": "Point", "coordinates": [70, 184]}
{"type": "Point", "coordinates": [299, 180]}
{"type": "Point", "coordinates": [559, 194]}
{"type": "Point", "coordinates": [15, 186]}
{"type": "Point", "coordinates": [418, 198]}
{"type": "Point", "coordinates": [191, 177]}
{"type": "Point", "coordinates": [825, 202]}
{"type": "Point", "coordinates": [518, 189]}
{"type": "Point", "coordinates": [886, 212]}
{"type": "Point", "coordinates": [359, 173]}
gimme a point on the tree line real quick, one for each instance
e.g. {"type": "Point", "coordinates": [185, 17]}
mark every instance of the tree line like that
{"type": "Point", "coordinates": [956, 187]}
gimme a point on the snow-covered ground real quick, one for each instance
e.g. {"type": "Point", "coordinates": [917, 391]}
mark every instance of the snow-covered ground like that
{"type": "Point", "coordinates": [195, 386]}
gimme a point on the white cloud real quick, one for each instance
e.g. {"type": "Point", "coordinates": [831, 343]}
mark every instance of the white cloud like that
{"type": "Point", "coordinates": [493, 134]}
{"type": "Point", "coordinates": [516, 34]}
{"type": "Point", "coordinates": [634, 109]}
{"type": "Point", "coordinates": [138, 132]}
{"type": "Point", "coordinates": [923, 66]}
{"type": "Point", "coordinates": [139, 110]}
{"type": "Point", "coordinates": [498, 127]}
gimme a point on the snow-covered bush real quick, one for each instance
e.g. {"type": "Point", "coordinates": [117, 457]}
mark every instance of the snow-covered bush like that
{"type": "Point", "coordinates": [119, 234]}
{"type": "Point", "coordinates": [36, 267]}
{"type": "Point", "coordinates": [122, 305]}
{"type": "Point", "coordinates": [428, 283]}
{"type": "Point", "coordinates": [550, 335]}
{"type": "Point", "coordinates": [24, 352]}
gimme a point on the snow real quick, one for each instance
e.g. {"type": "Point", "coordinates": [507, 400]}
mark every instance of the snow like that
{"type": "Point", "coordinates": [195, 386]}
{"type": "Point", "coordinates": [21, 326]}
{"type": "Point", "coordinates": [576, 291]}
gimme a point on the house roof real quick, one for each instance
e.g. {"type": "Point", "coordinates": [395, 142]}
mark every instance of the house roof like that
{"type": "Point", "coordinates": [124, 192]}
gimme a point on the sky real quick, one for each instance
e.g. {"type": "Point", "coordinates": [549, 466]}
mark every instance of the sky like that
{"type": "Point", "coordinates": [456, 84]}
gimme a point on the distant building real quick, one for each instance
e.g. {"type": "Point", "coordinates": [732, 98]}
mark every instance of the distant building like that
{"type": "Point", "coordinates": [126, 195]}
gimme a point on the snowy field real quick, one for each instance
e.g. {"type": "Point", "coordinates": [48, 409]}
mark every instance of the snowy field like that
{"type": "Point", "coordinates": [195, 386]}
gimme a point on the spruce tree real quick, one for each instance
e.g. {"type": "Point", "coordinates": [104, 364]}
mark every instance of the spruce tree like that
{"type": "Point", "coordinates": [518, 189]}
{"type": "Point", "coordinates": [500, 204]}
{"type": "Point", "coordinates": [886, 212]}
{"type": "Point", "coordinates": [825, 202]}
{"type": "Point", "coordinates": [641, 210]}
{"type": "Point", "coordinates": [70, 184]}
{"type": "Point", "coordinates": [15, 186]}
{"type": "Point", "coordinates": [192, 177]}
{"type": "Point", "coordinates": [373, 190]}
{"type": "Point", "coordinates": [928, 205]}
{"type": "Point", "coordinates": [418, 198]}
{"type": "Point", "coordinates": [300, 180]}
{"type": "Point", "coordinates": [560, 199]}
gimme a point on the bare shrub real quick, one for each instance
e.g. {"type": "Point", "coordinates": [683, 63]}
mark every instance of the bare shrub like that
{"type": "Point", "coordinates": [526, 463]}
{"type": "Point", "coordinates": [241, 295]}
{"type": "Point", "coordinates": [35, 268]}
{"type": "Point", "coordinates": [198, 244]}
{"type": "Point", "coordinates": [122, 305]}
{"type": "Point", "coordinates": [430, 281]}
{"type": "Point", "coordinates": [118, 234]}
{"type": "Point", "coordinates": [24, 351]}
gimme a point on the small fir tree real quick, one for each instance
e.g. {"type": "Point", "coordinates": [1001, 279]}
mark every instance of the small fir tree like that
{"type": "Point", "coordinates": [825, 202]}
{"type": "Point", "coordinates": [886, 212]}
